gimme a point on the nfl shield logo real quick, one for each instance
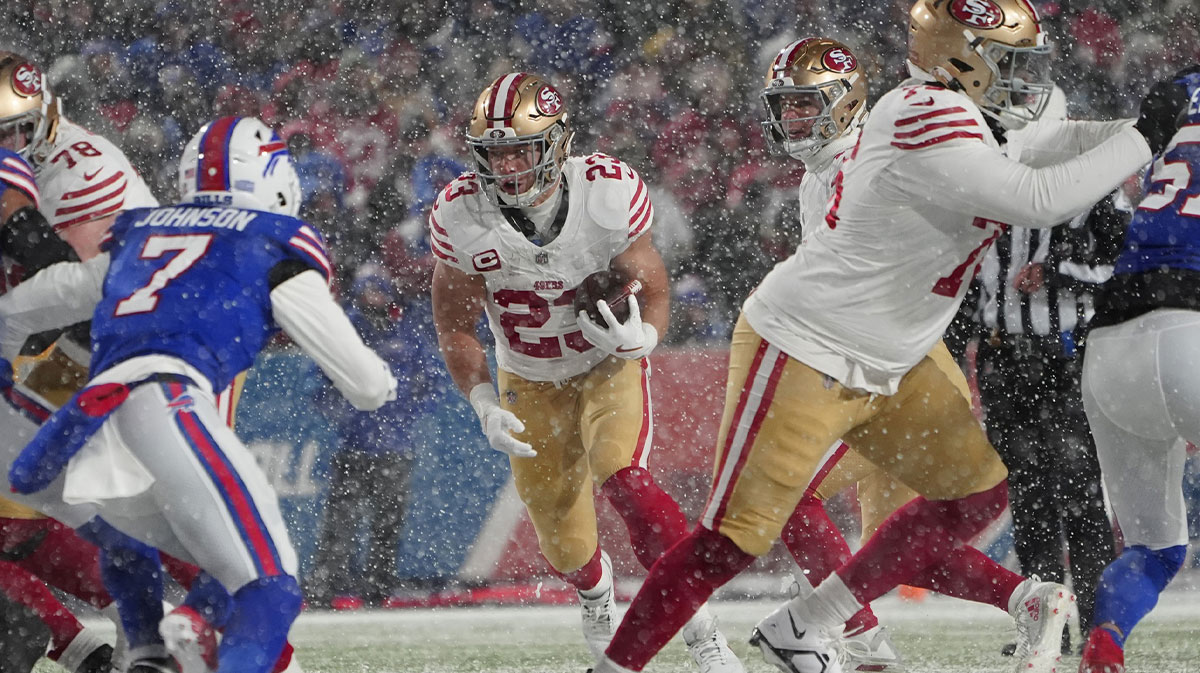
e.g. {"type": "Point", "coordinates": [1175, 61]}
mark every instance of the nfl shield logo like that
{"type": "Point", "coordinates": [510, 396]}
{"type": "Point", "coordinates": [541, 258]}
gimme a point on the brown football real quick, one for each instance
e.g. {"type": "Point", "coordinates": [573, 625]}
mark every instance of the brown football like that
{"type": "Point", "coordinates": [611, 286]}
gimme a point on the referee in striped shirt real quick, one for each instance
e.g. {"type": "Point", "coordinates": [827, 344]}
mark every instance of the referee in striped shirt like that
{"type": "Point", "coordinates": [1034, 301]}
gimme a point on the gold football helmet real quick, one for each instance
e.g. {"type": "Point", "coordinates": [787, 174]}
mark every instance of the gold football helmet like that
{"type": "Point", "coordinates": [994, 51]}
{"type": "Point", "coordinates": [815, 93]}
{"type": "Point", "coordinates": [29, 114]}
{"type": "Point", "coordinates": [519, 136]}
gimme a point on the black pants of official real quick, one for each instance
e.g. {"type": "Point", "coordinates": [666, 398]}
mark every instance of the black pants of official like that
{"type": "Point", "coordinates": [1035, 419]}
{"type": "Point", "coordinates": [364, 490]}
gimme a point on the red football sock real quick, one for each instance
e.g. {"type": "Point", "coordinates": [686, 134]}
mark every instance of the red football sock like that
{"type": "Point", "coordinates": [915, 537]}
{"type": "Point", "coordinates": [21, 586]}
{"type": "Point", "coordinates": [969, 574]}
{"type": "Point", "coordinates": [653, 518]}
{"type": "Point", "coordinates": [68, 562]}
{"type": "Point", "coordinates": [819, 548]}
{"type": "Point", "coordinates": [586, 577]}
{"type": "Point", "coordinates": [678, 584]}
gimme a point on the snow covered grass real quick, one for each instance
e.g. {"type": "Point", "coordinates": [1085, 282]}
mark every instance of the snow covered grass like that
{"type": "Point", "coordinates": [937, 635]}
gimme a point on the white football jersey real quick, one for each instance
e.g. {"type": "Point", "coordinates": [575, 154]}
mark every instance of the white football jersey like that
{"type": "Point", "coordinates": [531, 288]}
{"type": "Point", "coordinates": [917, 203]}
{"type": "Point", "coordinates": [85, 177]}
{"type": "Point", "coordinates": [816, 186]}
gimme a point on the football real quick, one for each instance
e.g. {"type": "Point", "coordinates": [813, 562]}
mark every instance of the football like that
{"type": "Point", "coordinates": [611, 286]}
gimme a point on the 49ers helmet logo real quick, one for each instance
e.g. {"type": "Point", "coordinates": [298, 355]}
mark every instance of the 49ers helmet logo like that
{"type": "Point", "coordinates": [26, 80]}
{"type": "Point", "coordinates": [977, 13]}
{"type": "Point", "coordinates": [549, 101]}
{"type": "Point", "coordinates": [839, 60]}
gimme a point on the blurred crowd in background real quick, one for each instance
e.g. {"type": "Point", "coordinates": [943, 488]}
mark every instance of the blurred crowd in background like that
{"type": "Point", "coordinates": [374, 98]}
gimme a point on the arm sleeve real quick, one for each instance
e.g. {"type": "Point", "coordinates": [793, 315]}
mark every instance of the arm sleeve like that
{"type": "Point", "coordinates": [971, 177]}
{"type": "Point", "coordinates": [60, 295]}
{"type": "Point", "coordinates": [1054, 141]}
{"type": "Point", "coordinates": [29, 240]}
{"type": "Point", "coordinates": [304, 308]}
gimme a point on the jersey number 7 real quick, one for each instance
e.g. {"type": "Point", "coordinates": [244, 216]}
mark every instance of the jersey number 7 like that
{"type": "Point", "coordinates": [189, 248]}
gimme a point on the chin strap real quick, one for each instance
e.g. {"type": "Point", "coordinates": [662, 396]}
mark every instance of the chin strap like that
{"type": "Point", "coordinates": [523, 224]}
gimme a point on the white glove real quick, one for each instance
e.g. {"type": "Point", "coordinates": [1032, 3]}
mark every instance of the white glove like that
{"type": "Point", "coordinates": [498, 423]}
{"type": "Point", "coordinates": [630, 340]}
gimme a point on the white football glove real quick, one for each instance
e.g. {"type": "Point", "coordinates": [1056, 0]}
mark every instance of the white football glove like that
{"type": "Point", "coordinates": [630, 340]}
{"type": "Point", "coordinates": [498, 423]}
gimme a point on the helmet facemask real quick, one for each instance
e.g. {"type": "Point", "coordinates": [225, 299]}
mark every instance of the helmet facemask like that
{"type": "Point", "coordinates": [544, 154]}
{"type": "Point", "coordinates": [786, 136]}
{"type": "Point", "coordinates": [17, 134]}
{"type": "Point", "coordinates": [1020, 87]}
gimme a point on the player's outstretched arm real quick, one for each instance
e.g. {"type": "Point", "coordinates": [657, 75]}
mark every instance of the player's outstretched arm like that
{"type": "Point", "coordinates": [641, 260]}
{"type": "Point", "coordinates": [457, 300]}
{"type": "Point", "coordinates": [61, 294]}
{"type": "Point", "coordinates": [304, 308]}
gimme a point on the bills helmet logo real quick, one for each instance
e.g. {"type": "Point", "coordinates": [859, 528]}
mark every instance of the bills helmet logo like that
{"type": "Point", "coordinates": [977, 13]}
{"type": "Point", "coordinates": [839, 60]}
{"type": "Point", "coordinates": [184, 402]}
{"type": "Point", "coordinates": [27, 80]}
{"type": "Point", "coordinates": [549, 101]}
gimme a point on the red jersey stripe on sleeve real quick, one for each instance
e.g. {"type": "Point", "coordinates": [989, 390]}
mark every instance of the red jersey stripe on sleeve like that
{"type": "Point", "coordinates": [441, 244]}
{"type": "Point", "coordinates": [934, 141]}
{"type": "Point", "coordinates": [437, 228]}
{"type": "Point", "coordinates": [315, 252]}
{"type": "Point", "coordinates": [116, 192]}
{"type": "Point", "coordinates": [644, 222]}
{"type": "Point", "coordinates": [442, 255]}
{"type": "Point", "coordinates": [635, 217]}
{"type": "Point", "coordinates": [937, 125]}
{"type": "Point", "coordinates": [17, 176]}
{"type": "Point", "coordinates": [637, 194]}
{"type": "Point", "coordinates": [94, 188]}
{"type": "Point", "coordinates": [88, 217]}
{"type": "Point", "coordinates": [929, 115]}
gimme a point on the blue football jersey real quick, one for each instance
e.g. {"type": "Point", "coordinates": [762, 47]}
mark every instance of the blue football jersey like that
{"type": "Point", "coordinates": [191, 281]}
{"type": "Point", "coordinates": [1165, 231]}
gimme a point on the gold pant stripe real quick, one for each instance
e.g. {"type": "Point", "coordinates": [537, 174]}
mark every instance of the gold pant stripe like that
{"type": "Point", "coordinates": [752, 406]}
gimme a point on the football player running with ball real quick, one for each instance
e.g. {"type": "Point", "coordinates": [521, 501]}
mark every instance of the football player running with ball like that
{"type": "Point", "coordinates": [516, 238]}
{"type": "Point", "coordinates": [834, 344]}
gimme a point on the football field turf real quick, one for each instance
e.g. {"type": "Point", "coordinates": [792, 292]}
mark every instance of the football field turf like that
{"type": "Point", "coordinates": [936, 635]}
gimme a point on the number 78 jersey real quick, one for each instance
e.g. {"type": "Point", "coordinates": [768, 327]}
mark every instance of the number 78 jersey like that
{"type": "Point", "coordinates": [193, 282]}
{"type": "Point", "coordinates": [531, 288]}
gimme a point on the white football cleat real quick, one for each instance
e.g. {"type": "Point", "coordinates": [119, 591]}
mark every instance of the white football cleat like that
{"type": "Point", "coordinates": [600, 613]}
{"type": "Point", "coordinates": [793, 643]}
{"type": "Point", "coordinates": [709, 648]}
{"type": "Point", "coordinates": [1041, 609]}
{"type": "Point", "coordinates": [190, 639]}
{"type": "Point", "coordinates": [870, 650]}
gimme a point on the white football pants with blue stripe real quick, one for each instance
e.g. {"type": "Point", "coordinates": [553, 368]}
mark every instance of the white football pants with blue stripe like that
{"type": "Point", "coordinates": [210, 502]}
{"type": "Point", "coordinates": [1141, 391]}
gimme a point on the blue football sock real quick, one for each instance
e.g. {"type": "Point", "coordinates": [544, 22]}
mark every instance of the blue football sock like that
{"type": "Point", "coordinates": [210, 599]}
{"type": "Point", "coordinates": [263, 612]}
{"type": "Point", "coordinates": [1130, 586]}
{"type": "Point", "coordinates": [133, 574]}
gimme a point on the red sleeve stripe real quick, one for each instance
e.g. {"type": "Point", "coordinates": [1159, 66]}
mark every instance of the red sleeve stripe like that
{"type": "Point", "coordinates": [637, 194]}
{"type": "Point", "coordinates": [313, 238]}
{"type": "Point", "coordinates": [117, 192]}
{"type": "Point", "coordinates": [316, 253]}
{"type": "Point", "coordinates": [929, 115]}
{"type": "Point", "coordinates": [96, 187]}
{"type": "Point", "coordinates": [88, 217]}
{"type": "Point", "coordinates": [442, 255]}
{"type": "Point", "coordinates": [636, 217]}
{"type": "Point", "coordinates": [22, 182]}
{"type": "Point", "coordinates": [644, 223]}
{"type": "Point", "coordinates": [935, 141]}
{"type": "Point", "coordinates": [442, 244]}
{"type": "Point", "coordinates": [437, 227]}
{"type": "Point", "coordinates": [937, 125]}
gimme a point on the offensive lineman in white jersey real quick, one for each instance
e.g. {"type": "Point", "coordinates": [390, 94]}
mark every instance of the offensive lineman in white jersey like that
{"type": "Point", "coordinates": [834, 342]}
{"type": "Point", "coordinates": [516, 238]}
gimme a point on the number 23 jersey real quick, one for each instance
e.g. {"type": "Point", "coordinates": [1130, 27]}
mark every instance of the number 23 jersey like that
{"type": "Point", "coordinates": [531, 288]}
